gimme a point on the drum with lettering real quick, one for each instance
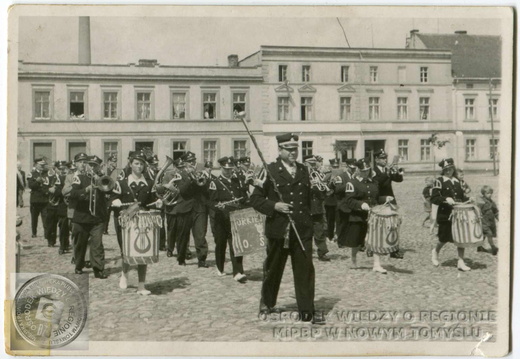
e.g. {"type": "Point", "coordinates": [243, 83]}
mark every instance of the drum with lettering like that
{"type": "Point", "coordinates": [383, 229]}
{"type": "Point", "coordinates": [141, 237]}
{"type": "Point", "coordinates": [466, 225]}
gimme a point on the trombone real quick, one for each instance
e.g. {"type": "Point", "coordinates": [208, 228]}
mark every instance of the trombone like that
{"type": "Point", "coordinates": [168, 192]}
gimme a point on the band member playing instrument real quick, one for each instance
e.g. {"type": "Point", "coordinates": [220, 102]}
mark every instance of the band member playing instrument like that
{"type": "Point", "coordinates": [340, 185]}
{"type": "Point", "coordinates": [317, 209]}
{"type": "Point", "coordinates": [57, 208]}
{"type": "Point", "coordinates": [331, 201]}
{"type": "Point", "coordinates": [385, 175]}
{"type": "Point", "coordinates": [89, 218]}
{"type": "Point", "coordinates": [138, 190]}
{"type": "Point", "coordinates": [39, 199]}
{"type": "Point", "coordinates": [293, 181]}
{"type": "Point", "coordinates": [446, 192]}
{"type": "Point", "coordinates": [244, 171]}
{"type": "Point", "coordinates": [226, 194]}
{"type": "Point", "coordinates": [362, 193]}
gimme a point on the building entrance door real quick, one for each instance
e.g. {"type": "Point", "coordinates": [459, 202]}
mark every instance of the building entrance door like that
{"type": "Point", "coordinates": [372, 146]}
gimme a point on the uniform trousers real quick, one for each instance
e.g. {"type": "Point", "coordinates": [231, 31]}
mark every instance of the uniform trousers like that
{"type": "Point", "coordinates": [94, 231]}
{"type": "Point", "coordinates": [38, 209]}
{"type": "Point", "coordinates": [303, 272]}
{"type": "Point", "coordinates": [51, 224]}
{"type": "Point", "coordinates": [179, 226]}
{"type": "Point", "coordinates": [319, 226]}
{"type": "Point", "coordinates": [223, 238]}
{"type": "Point", "coordinates": [117, 228]}
{"type": "Point", "coordinates": [331, 213]}
{"type": "Point", "coordinates": [162, 232]}
{"type": "Point", "coordinates": [198, 230]}
{"type": "Point", "coordinates": [342, 228]}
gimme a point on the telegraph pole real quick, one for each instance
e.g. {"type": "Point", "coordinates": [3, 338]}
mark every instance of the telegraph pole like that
{"type": "Point", "coordinates": [492, 127]}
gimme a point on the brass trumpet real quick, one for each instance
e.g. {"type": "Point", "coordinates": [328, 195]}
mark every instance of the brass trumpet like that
{"type": "Point", "coordinates": [165, 183]}
{"type": "Point", "coordinates": [319, 179]}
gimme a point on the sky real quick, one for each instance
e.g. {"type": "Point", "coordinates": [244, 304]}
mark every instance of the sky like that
{"type": "Point", "coordinates": [208, 41]}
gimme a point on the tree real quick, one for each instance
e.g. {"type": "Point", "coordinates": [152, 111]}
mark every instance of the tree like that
{"type": "Point", "coordinates": [435, 142]}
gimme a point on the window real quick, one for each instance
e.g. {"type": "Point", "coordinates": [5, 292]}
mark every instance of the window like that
{"type": "Point", "coordinates": [178, 105]}
{"type": "Point", "coordinates": [42, 149]}
{"type": "Point", "coordinates": [282, 73]}
{"type": "Point", "coordinates": [493, 148]}
{"type": "Point", "coordinates": [424, 108]}
{"type": "Point", "coordinates": [283, 108]}
{"type": "Point", "coordinates": [373, 74]}
{"type": "Point", "coordinates": [401, 74]}
{"type": "Point", "coordinates": [239, 103]}
{"type": "Point", "coordinates": [239, 148]}
{"type": "Point", "coordinates": [139, 145]}
{"type": "Point", "coordinates": [402, 108]}
{"type": "Point", "coordinates": [209, 150]}
{"type": "Point", "coordinates": [373, 108]}
{"type": "Point", "coordinates": [469, 108]}
{"type": "Point", "coordinates": [306, 73]}
{"type": "Point", "coordinates": [425, 150]}
{"type": "Point", "coordinates": [77, 104]}
{"type": "Point", "coordinates": [144, 105]}
{"type": "Point", "coordinates": [306, 148]}
{"type": "Point", "coordinates": [344, 73]}
{"type": "Point", "coordinates": [306, 108]}
{"type": "Point", "coordinates": [42, 105]}
{"type": "Point", "coordinates": [179, 148]}
{"type": "Point", "coordinates": [402, 149]}
{"type": "Point", "coordinates": [344, 103]}
{"type": "Point", "coordinates": [424, 74]}
{"type": "Point", "coordinates": [109, 149]}
{"type": "Point", "coordinates": [110, 104]}
{"type": "Point", "coordinates": [75, 148]}
{"type": "Point", "coordinates": [494, 108]}
{"type": "Point", "coordinates": [345, 149]}
{"type": "Point", "coordinates": [209, 105]}
{"type": "Point", "coordinates": [470, 149]}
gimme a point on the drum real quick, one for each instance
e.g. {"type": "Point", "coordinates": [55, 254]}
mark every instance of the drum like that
{"type": "Point", "coordinates": [141, 237]}
{"type": "Point", "coordinates": [383, 229]}
{"type": "Point", "coordinates": [466, 226]}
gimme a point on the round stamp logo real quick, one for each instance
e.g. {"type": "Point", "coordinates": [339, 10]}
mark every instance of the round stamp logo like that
{"type": "Point", "coordinates": [49, 311]}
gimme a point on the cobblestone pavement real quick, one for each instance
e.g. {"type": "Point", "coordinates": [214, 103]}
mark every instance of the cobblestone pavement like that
{"type": "Point", "coordinates": [192, 304]}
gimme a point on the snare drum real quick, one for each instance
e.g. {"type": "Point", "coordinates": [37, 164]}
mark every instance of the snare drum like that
{"type": "Point", "coordinates": [466, 226]}
{"type": "Point", "coordinates": [383, 230]}
{"type": "Point", "coordinates": [141, 237]}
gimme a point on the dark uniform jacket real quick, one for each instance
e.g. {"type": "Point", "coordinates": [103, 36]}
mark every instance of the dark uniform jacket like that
{"type": "Point", "coordinates": [185, 200]}
{"type": "Point", "coordinates": [444, 188]}
{"type": "Point", "coordinates": [385, 179]}
{"type": "Point", "coordinates": [81, 199]}
{"type": "Point", "coordinates": [331, 200]}
{"type": "Point", "coordinates": [38, 182]}
{"type": "Point", "coordinates": [340, 185]}
{"type": "Point", "coordinates": [358, 192]}
{"type": "Point", "coordinates": [222, 189]}
{"type": "Point", "coordinates": [56, 199]}
{"type": "Point", "coordinates": [296, 191]}
{"type": "Point", "coordinates": [141, 192]}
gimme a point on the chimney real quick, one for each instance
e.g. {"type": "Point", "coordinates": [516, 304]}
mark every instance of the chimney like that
{"type": "Point", "coordinates": [232, 60]}
{"type": "Point", "coordinates": [147, 62]}
{"type": "Point", "coordinates": [415, 31]}
{"type": "Point", "coordinates": [410, 41]}
{"type": "Point", "coordinates": [84, 40]}
{"type": "Point", "coordinates": [461, 32]}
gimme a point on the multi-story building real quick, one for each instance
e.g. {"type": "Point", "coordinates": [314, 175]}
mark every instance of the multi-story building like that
{"type": "Point", "coordinates": [476, 72]}
{"type": "Point", "coordinates": [344, 102]}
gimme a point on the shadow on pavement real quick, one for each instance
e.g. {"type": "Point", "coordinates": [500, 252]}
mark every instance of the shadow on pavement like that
{"type": "Point", "coordinates": [337, 256]}
{"type": "Point", "coordinates": [255, 275]}
{"type": "Point", "coordinates": [391, 268]}
{"type": "Point", "coordinates": [167, 286]}
{"type": "Point", "coordinates": [470, 263]}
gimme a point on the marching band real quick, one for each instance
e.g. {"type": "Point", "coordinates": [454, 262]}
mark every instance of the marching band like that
{"type": "Point", "coordinates": [157, 207]}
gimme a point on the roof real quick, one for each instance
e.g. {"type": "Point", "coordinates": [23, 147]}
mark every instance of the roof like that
{"type": "Point", "coordinates": [473, 56]}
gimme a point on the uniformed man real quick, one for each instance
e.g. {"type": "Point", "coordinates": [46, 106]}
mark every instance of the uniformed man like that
{"type": "Point", "coordinates": [226, 194]}
{"type": "Point", "coordinates": [199, 211]}
{"type": "Point", "coordinates": [179, 216]}
{"type": "Point", "coordinates": [340, 185]}
{"type": "Point", "coordinates": [318, 210]}
{"type": "Point", "coordinates": [57, 208]}
{"type": "Point", "coordinates": [243, 171]}
{"type": "Point", "coordinates": [111, 167]}
{"type": "Point", "coordinates": [330, 202]}
{"type": "Point", "coordinates": [293, 182]}
{"type": "Point", "coordinates": [362, 193]}
{"type": "Point", "coordinates": [38, 183]}
{"type": "Point", "coordinates": [208, 166]}
{"type": "Point", "coordinates": [447, 190]}
{"type": "Point", "coordinates": [385, 176]}
{"type": "Point", "coordinates": [89, 218]}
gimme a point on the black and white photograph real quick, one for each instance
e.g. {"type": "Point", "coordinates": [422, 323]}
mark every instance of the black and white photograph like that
{"type": "Point", "coordinates": [259, 180]}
